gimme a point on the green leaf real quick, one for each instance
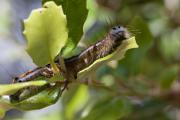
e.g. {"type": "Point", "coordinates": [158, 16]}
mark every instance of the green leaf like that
{"type": "Point", "coordinates": [168, 76]}
{"type": "Point", "coordinates": [46, 32]}
{"type": "Point", "coordinates": [40, 100]}
{"type": "Point", "coordinates": [109, 109]}
{"type": "Point", "coordinates": [12, 88]}
{"type": "Point", "coordinates": [2, 112]}
{"type": "Point", "coordinates": [116, 55]}
{"type": "Point", "coordinates": [76, 13]}
{"type": "Point", "coordinates": [55, 78]}
{"type": "Point", "coordinates": [76, 102]}
{"type": "Point", "coordinates": [170, 45]}
{"type": "Point", "coordinates": [149, 109]}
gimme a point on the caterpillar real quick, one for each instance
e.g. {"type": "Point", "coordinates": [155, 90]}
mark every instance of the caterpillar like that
{"type": "Point", "coordinates": [74, 64]}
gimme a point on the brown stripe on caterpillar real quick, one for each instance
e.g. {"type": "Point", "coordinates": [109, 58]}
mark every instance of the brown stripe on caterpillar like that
{"type": "Point", "coordinates": [101, 49]}
{"type": "Point", "coordinates": [77, 63]}
{"type": "Point", "coordinates": [33, 74]}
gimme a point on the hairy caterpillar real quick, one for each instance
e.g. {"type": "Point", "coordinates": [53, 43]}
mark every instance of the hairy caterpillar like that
{"type": "Point", "coordinates": [77, 63]}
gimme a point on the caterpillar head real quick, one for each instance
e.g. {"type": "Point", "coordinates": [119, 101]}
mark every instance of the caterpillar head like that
{"type": "Point", "coordinates": [120, 33]}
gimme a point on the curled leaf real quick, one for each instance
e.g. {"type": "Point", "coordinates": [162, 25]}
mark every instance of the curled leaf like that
{"type": "Point", "coordinates": [43, 99]}
{"type": "Point", "coordinates": [12, 88]}
{"type": "Point", "coordinates": [116, 55]}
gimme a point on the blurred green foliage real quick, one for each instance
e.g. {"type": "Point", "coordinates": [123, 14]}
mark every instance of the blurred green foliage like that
{"type": "Point", "coordinates": [136, 87]}
{"type": "Point", "coordinates": [145, 84]}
